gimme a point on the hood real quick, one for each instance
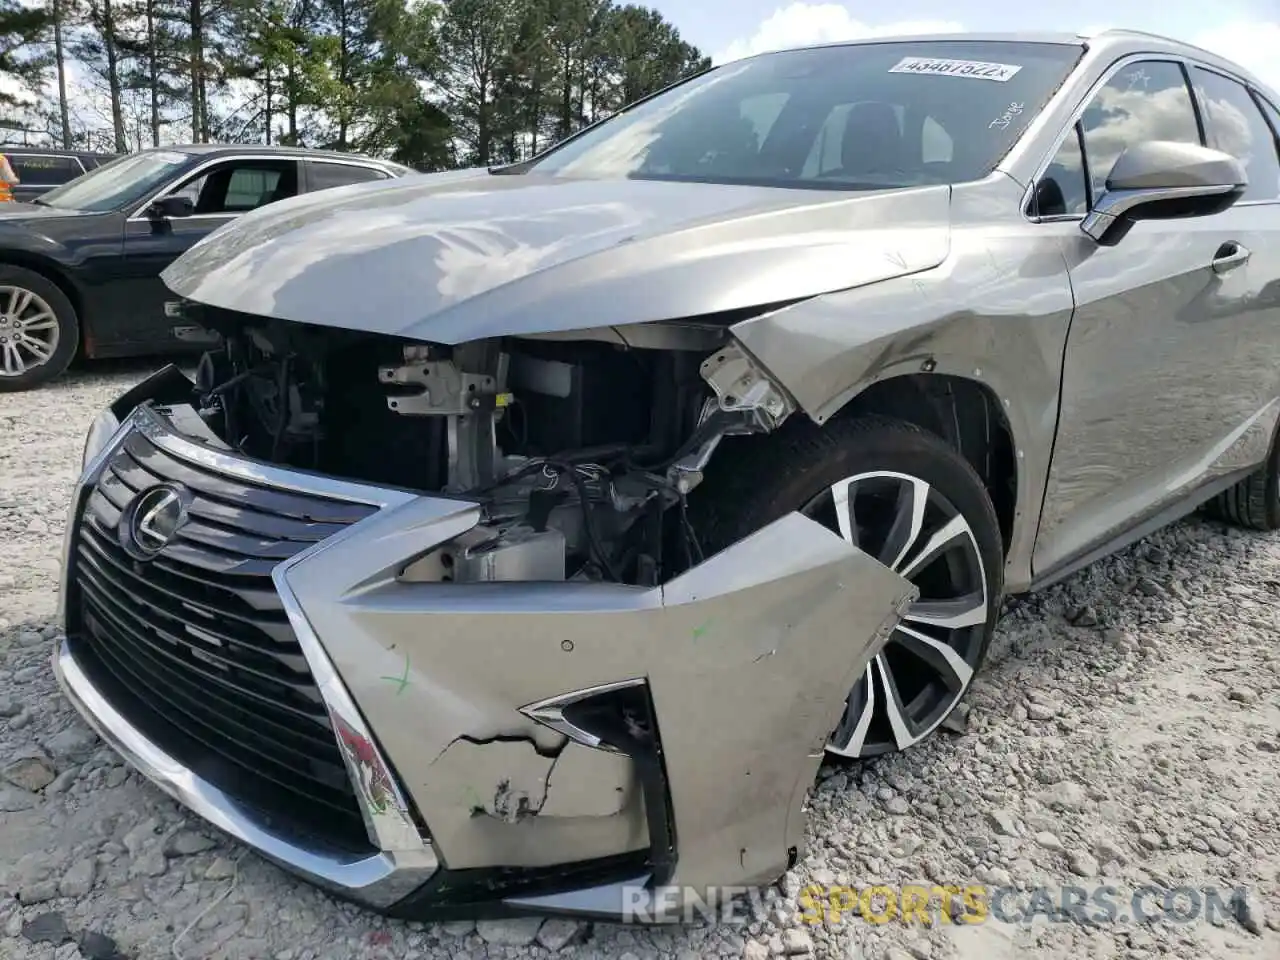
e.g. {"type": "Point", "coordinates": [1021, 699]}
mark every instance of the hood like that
{"type": "Point", "coordinates": [17, 212]}
{"type": "Point", "coordinates": [454, 257]}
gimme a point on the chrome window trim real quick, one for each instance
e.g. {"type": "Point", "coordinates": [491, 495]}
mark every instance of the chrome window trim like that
{"type": "Point", "coordinates": [1183, 60]}
{"type": "Point", "coordinates": [137, 215]}
{"type": "Point", "coordinates": [406, 859]}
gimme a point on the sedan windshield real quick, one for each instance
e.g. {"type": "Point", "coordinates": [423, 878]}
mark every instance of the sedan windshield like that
{"type": "Point", "coordinates": [859, 116]}
{"type": "Point", "coordinates": [122, 181]}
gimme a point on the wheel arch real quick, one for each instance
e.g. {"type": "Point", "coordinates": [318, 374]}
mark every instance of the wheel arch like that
{"type": "Point", "coordinates": [966, 414]}
{"type": "Point", "coordinates": [51, 271]}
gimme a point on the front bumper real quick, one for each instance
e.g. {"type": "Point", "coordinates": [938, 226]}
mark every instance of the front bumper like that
{"type": "Point", "coordinates": [451, 704]}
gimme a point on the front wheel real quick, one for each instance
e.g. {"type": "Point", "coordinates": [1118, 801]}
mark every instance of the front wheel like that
{"type": "Point", "coordinates": [906, 498]}
{"type": "Point", "coordinates": [39, 330]}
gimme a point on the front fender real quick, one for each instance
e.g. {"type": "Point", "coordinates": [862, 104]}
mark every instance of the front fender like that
{"type": "Point", "coordinates": [996, 312]}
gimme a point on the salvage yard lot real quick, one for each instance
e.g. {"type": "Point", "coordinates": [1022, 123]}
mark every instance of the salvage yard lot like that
{"type": "Point", "coordinates": [1125, 732]}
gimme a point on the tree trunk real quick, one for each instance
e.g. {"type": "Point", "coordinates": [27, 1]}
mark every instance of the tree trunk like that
{"type": "Point", "coordinates": [60, 56]}
{"type": "Point", "coordinates": [153, 72]}
{"type": "Point", "coordinates": [198, 123]}
{"type": "Point", "coordinates": [113, 75]}
{"type": "Point", "coordinates": [269, 91]}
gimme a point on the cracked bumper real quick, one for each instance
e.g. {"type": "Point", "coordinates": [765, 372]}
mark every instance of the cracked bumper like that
{"type": "Point", "coordinates": [452, 704]}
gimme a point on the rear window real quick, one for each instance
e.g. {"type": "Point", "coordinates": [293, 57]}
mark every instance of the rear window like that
{"type": "Point", "coordinates": [38, 170]}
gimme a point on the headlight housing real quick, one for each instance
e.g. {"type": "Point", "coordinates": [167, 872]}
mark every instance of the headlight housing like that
{"type": "Point", "coordinates": [101, 431]}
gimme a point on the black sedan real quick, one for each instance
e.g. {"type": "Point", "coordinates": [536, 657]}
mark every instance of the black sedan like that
{"type": "Point", "coordinates": [80, 266]}
{"type": "Point", "coordinates": [41, 169]}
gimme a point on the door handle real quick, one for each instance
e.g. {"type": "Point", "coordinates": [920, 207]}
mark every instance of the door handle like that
{"type": "Point", "coordinates": [1229, 256]}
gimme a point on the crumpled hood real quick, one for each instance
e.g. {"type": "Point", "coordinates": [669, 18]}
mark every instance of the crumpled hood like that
{"type": "Point", "coordinates": [464, 255]}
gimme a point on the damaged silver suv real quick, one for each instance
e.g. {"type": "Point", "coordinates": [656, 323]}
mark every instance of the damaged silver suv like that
{"type": "Point", "coordinates": [533, 532]}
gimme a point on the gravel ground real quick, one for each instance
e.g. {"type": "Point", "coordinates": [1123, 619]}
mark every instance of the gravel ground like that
{"type": "Point", "coordinates": [1125, 732]}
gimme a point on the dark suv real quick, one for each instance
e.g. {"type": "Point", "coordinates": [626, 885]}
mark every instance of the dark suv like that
{"type": "Point", "coordinates": [40, 169]}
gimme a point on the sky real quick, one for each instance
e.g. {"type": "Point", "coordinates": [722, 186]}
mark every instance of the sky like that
{"type": "Point", "coordinates": [1247, 31]}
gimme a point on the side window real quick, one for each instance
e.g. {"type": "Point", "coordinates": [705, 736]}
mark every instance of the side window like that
{"type": "Point", "coordinates": [239, 186]}
{"type": "Point", "coordinates": [1063, 190]}
{"type": "Point", "coordinates": [1148, 100]}
{"type": "Point", "coordinates": [1234, 125]}
{"type": "Point", "coordinates": [322, 176]}
{"type": "Point", "coordinates": [36, 170]}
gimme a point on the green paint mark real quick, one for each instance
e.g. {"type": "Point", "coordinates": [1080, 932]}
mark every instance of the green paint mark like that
{"type": "Point", "coordinates": [403, 679]}
{"type": "Point", "coordinates": [700, 630]}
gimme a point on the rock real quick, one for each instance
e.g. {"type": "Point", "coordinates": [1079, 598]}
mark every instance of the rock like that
{"type": "Point", "coordinates": [29, 773]}
{"type": "Point", "coordinates": [152, 863]}
{"type": "Point", "coordinates": [75, 744]}
{"type": "Point", "coordinates": [186, 843]}
{"type": "Point", "coordinates": [1149, 588]}
{"type": "Point", "coordinates": [755, 950]}
{"type": "Point", "coordinates": [557, 932]}
{"type": "Point", "coordinates": [1242, 694]}
{"type": "Point", "coordinates": [9, 707]}
{"type": "Point", "coordinates": [1107, 851]}
{"type": "Point", "coordinates": [39, 891]}
{"type": "Point", "coordinates": [46, 928]}
{"type": "Point", "coordinates": [509, 932]}
{"type": "Point", "coordinates": [62, 782]}
{"type": "Point", "coordinates": [1083, 865]}
{"type": "Point", "coordinates": [1064, 796]}
{"type": "Point", "coordinates": [1042, 711]}
{"type": "Point", "coordinates": [13, 799]}
{"type": "Point", "coordinates": [224, 869]}
{"type": "Point", "coordinates": [78, 880]}
{"type": "Point", "coordinates": [137, 839]}
{"type": "Point", "coordinates": [921, 950]}
{"type": "Point", "coordinates": [1048, 840]}
{"type": "Point", "coordinates": [1219, 846]}
{"type": "Point", "coordinates": [1002, 822]}
{"type": "Point", "coordinates": [21, 719]}
{"type": "Point", "coordinates": [98, 946]}
{"type": "Point", "coordinates": [1249, 912]}
{"type": "Point", "coordinates": [898, 806]}
{"type": "Point", "coordinates": [796, 943]}
{"type": "Point", "coordinates": [1084, 616]}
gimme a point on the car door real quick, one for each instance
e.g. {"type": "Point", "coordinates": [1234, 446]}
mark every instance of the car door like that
{"type": "Point", "coordinates": [322, 174]}
{"type": "Point", "coordinates": [1154, 403]}
{"type": "Point", "coordinates": [219, 191]}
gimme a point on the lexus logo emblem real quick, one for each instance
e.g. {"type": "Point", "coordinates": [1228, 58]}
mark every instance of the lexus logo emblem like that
{"type": "Point", "coordinates": [153, 519]}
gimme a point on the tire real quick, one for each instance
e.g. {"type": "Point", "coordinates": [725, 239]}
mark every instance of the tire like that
{"type": "Point", "coordinates": [43, 316]}
{"type": "Point", "coordinates": [753, 481]}
{"type": "Point", "coordinates": [1254, 502]}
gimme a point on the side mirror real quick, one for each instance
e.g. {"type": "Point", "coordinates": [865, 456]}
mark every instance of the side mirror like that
{"type": "Point", "coordinates": [169, 208]}
{"type": "Point", "coordinates": [1164, 180]}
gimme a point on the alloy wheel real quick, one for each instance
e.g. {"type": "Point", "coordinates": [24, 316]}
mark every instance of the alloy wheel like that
{"type": "Point", "coordinates": [28, 331]}
{"type": "Point", "coordinates": [925, 668]}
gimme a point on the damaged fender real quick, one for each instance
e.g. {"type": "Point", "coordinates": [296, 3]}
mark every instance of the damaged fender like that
{"type": "Point", "coordinates": [748, 658]}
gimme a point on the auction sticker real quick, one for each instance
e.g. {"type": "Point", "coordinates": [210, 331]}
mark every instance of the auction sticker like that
{"type": "Point", "coordinates": [975, 69]}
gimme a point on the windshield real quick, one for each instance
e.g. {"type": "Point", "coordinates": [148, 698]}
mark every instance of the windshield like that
{"type": "Point", "coordinates": [861, 116]}
{"type": "Point", "coordinates": [122, 181]}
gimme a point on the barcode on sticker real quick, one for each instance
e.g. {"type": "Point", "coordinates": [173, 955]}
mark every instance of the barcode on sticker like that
{"type": "Point", "coordinates": [975, 69]}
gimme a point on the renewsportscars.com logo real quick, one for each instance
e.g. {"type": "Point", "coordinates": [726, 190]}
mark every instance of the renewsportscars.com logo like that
{"type": "Point", "coordinates": [933, 904]}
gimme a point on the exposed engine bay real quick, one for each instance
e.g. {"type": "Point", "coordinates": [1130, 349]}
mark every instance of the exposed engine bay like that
{"type": "Point", "coordinates": [582, 451]}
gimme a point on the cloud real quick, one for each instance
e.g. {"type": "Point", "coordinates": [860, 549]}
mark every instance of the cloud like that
{"type": "Point", "coordinates": [1252, 45]}
{"type": "Point", "coordinates": [805, 23]}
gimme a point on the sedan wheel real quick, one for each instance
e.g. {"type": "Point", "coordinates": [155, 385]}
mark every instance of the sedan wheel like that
{"type": "Point", "coordinates": [926, 667]}
{"type": "Point", "coordinates": [29, 331]}
{"type": "Point", "coordinates": [39, 329]}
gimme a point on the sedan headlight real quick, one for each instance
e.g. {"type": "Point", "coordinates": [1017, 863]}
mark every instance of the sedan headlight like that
{"type": "Point", "coordinates": [104, 427]}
